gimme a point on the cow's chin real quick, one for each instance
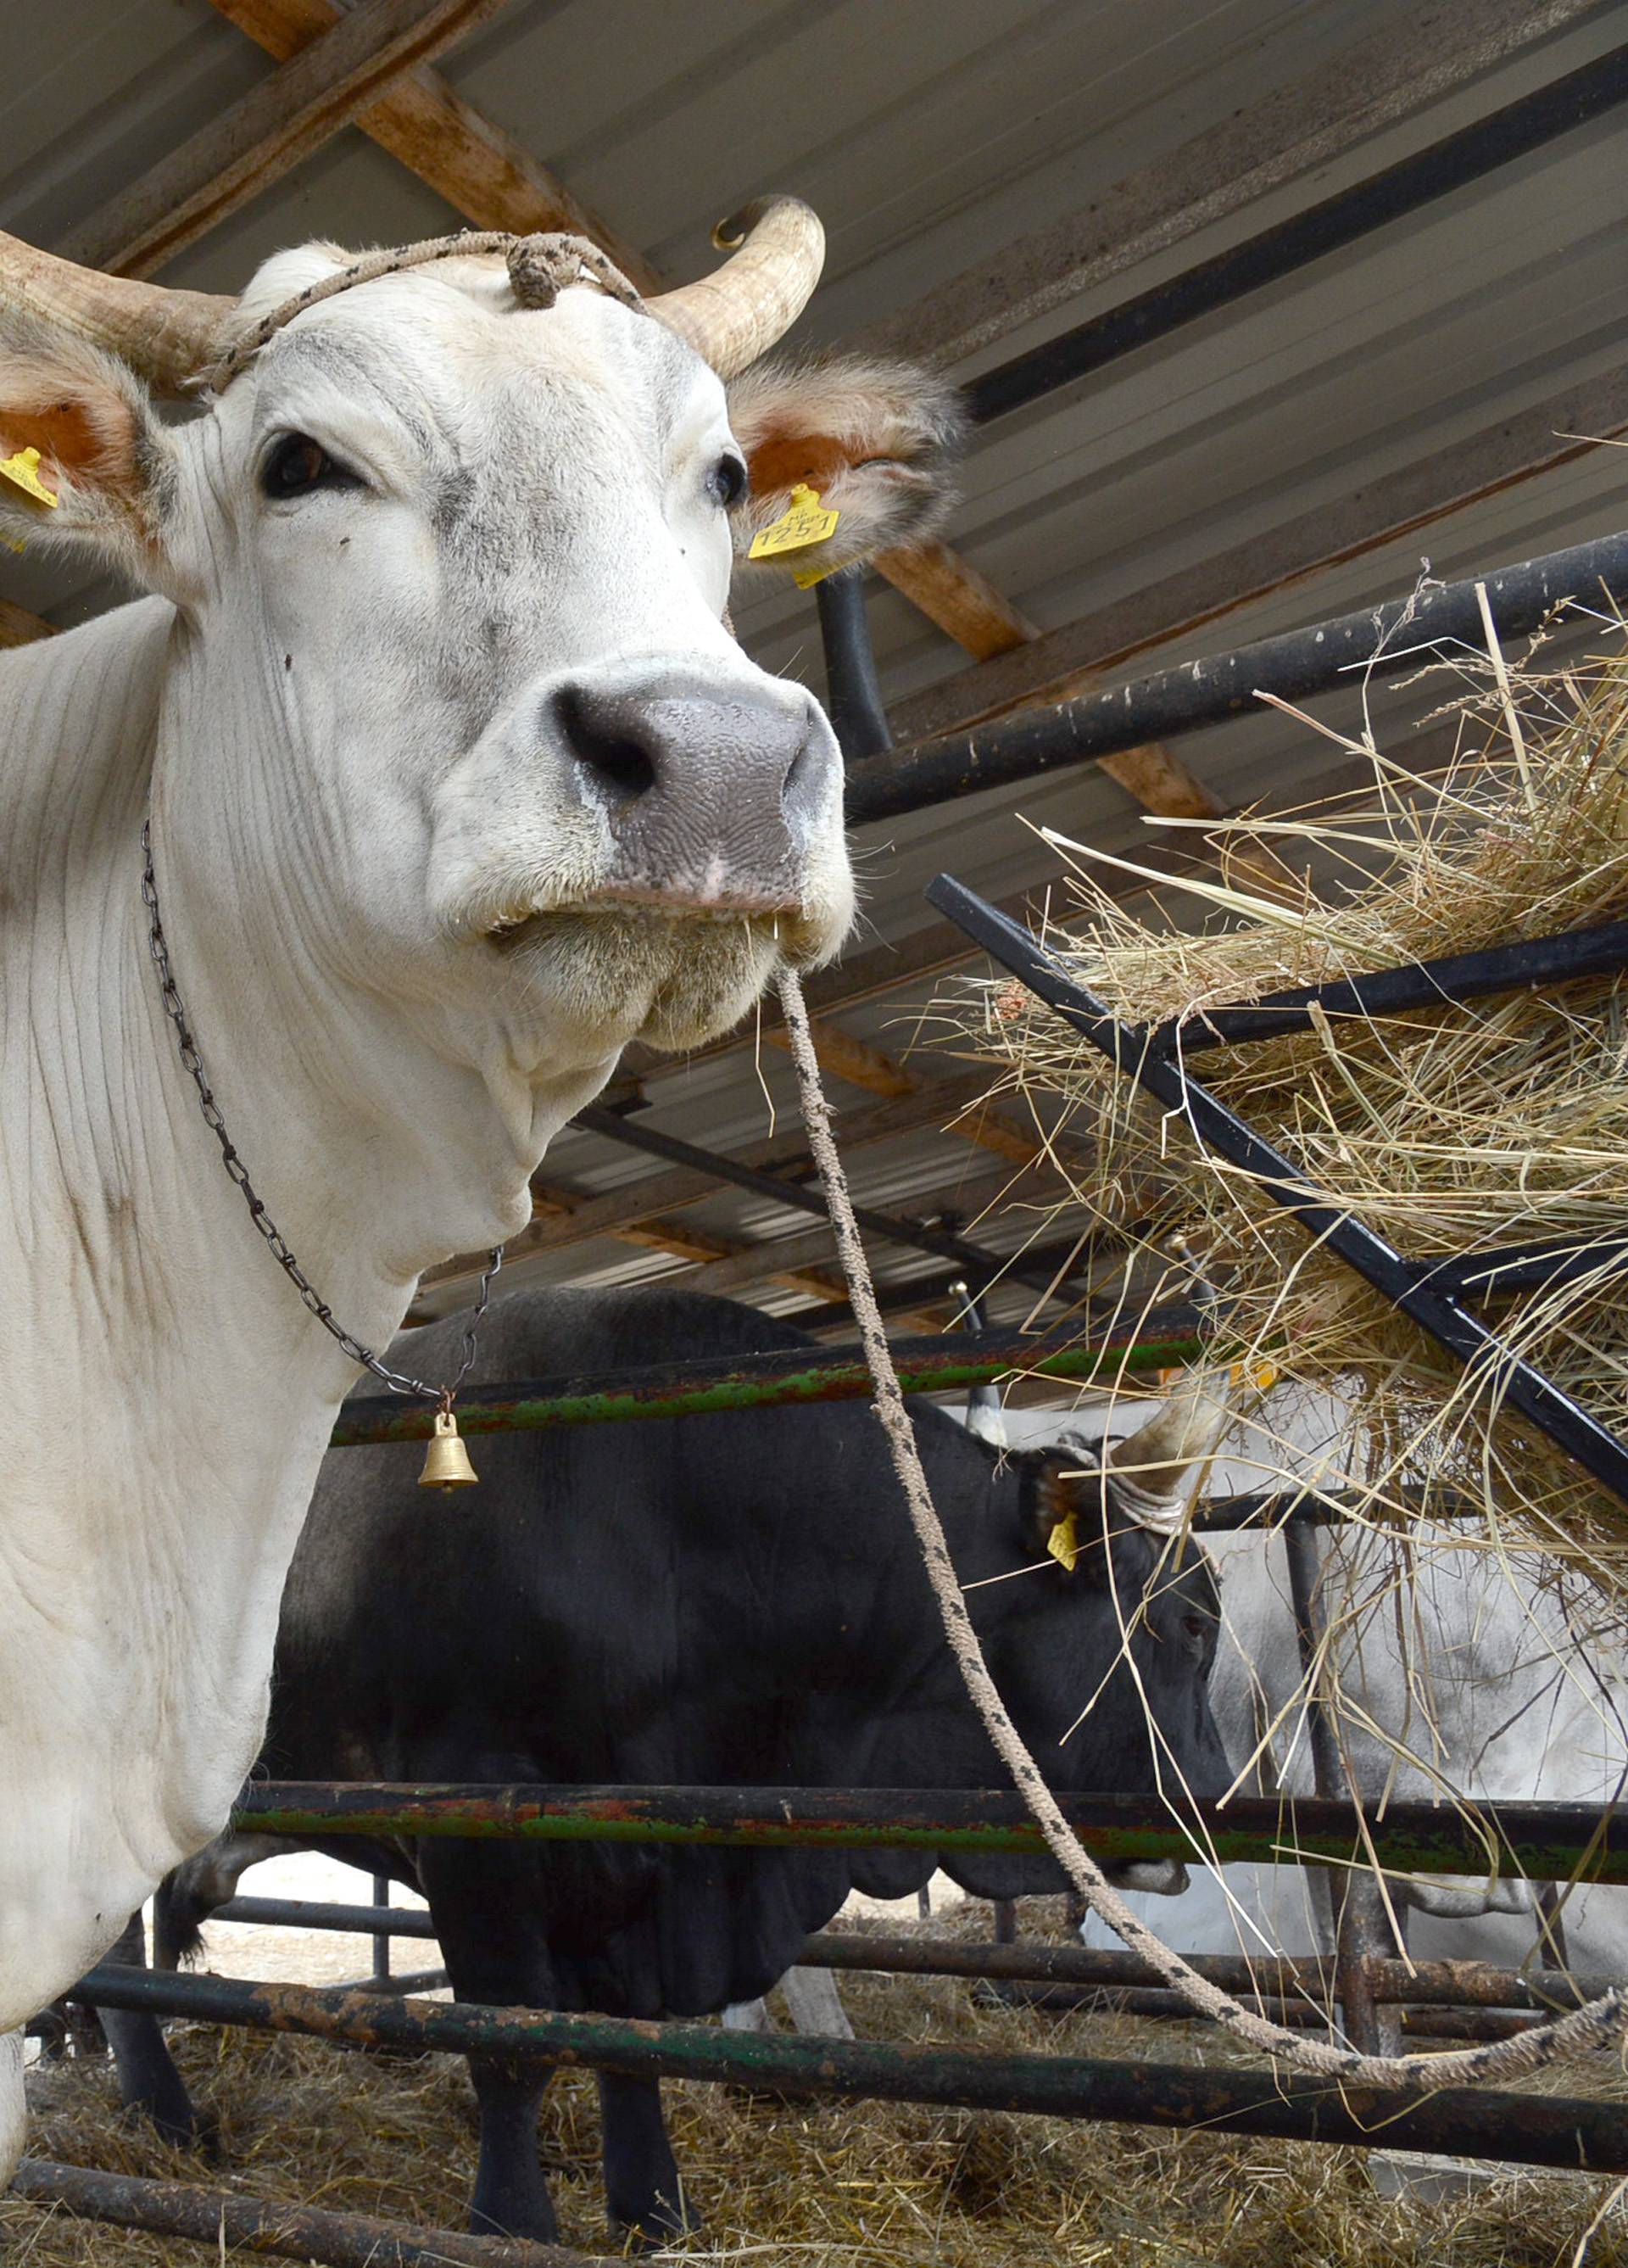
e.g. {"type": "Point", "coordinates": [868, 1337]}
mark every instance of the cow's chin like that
{"type": "Point", "coordinates": [671, 979]}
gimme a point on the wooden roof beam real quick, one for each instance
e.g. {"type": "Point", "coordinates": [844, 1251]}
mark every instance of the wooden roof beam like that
{"type": "Point", "coordinates": [483, 172]}
{"type": "Point", "coordinates": [18, 627]}
{"type": "Point", "coordinates": [291, 113]}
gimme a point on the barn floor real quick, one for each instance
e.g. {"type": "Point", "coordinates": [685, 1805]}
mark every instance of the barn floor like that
{"type": "Point", "coordinates": [829, 2186]}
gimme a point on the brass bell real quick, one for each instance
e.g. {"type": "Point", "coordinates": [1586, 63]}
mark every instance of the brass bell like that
{"type": "Point", "coordinates": [446, 1461]}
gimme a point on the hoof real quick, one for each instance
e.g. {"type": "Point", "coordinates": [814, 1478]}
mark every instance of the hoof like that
{"type": "Point", "coordinates": [521, 2225]}
{"type": "Point", "coordinates": [657, 2226]}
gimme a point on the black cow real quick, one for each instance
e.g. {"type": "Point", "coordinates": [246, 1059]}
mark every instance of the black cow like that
{"type": "Point", "coordinates": [735, 1598]}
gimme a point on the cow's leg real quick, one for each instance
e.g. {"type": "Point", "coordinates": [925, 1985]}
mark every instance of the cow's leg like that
{"type": "Point", "coordinates": [148, 2079]}
{"type": "Point", "coordinates": [643, 2190]}
{"type": "Point", "coordinates": [816, 2003]}
{"type": "Point", "coordinates": [748, 2016]}
{"type": "Point", "coordinates": [483, 1900]}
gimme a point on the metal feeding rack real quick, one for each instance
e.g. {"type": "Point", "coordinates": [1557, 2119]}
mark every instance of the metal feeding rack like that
{"type": "Point", "coordinates": [1436, 1294]}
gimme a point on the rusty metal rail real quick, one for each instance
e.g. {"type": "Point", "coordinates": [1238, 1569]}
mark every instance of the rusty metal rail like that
{"type": "Point", "coordinates": [225, 2218]}
{"type": "Point", "coordinates": [944, 1364]}
{"type": "Point", "coordinates": [1532, 2130]}
{"type": "Point", "coordinates": [1544, 1842]}
{"type": "Point", "coordinates": [1440, 1984]}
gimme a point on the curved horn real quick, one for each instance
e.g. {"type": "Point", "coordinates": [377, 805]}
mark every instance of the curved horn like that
{"type": "Point", "coordinates": [734, 316]}
{"type": "Point", "coordinates": [1148, 1470]}
{"type": "Point", "coordinates": [164, 337]}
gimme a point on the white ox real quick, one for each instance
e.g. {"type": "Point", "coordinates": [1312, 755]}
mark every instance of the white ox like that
{"type": "Point", "coordinates": [1461, 1676]}
{"type": "Point", "coordinates": [457, 782]}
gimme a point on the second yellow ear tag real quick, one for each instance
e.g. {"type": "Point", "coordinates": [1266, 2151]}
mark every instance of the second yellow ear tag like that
{"type": "Point", "coordinates": [23, 472]}
{"type": "Point", "coordinates": [805, 521]}
{"type": "Point", "coordinates": [1063, 1542]}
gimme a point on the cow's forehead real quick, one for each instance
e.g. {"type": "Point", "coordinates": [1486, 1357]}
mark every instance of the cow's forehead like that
{"type": "Point", "coordinates": [428, 342]}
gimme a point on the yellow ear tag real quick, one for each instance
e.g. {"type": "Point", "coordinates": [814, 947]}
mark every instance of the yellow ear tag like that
{"type": "Point", "coordinates": [803, 521]}
{"type": "Point", "coordinates": [23, 472]}
{"type": "Point", "coordinates": [1063, 1542]}
{"type": "Point", "coordinates": [1263, 1376]}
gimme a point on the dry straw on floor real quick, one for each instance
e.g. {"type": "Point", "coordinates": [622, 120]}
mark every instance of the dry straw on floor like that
{"type": "Point", "coordinates": [1451, 1130]}
{"type": "Point", "coordinates": [801, 2185]}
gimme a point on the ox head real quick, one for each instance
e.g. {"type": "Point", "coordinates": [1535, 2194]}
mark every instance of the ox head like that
{"type": "Point", "coordinates": [451, 693]}
{"type": "Point", "coordinates": [1104, 1653]}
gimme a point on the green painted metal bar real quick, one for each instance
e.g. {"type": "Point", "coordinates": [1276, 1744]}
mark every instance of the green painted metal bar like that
{"type": "Point", "coordinates": [942, 1364]}
{"type": "Point", "coordinates": [1530, 2129]}
{"type": "Point", "coordinates": [1544, 1842]}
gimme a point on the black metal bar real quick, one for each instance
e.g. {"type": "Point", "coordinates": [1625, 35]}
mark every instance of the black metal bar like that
{"type": "Point", "coordinates": [1326, 1508]}
{"type": "Point", "coordinates": [1459, 159]}
{"type": "Point", "coordinates": [916, 1236]}
{"type": "Point", "coordinates": [1521, 965]}
{"type": "Point", "coordinates": [936, 1363]}
{"type": "Point", "coordinates": [381, 1938]}
{"type": "Point", "coordinates": [1530, 2129]}
{"type": "Point", "coordinates": [1524, 1268]}
{"type": "Point", "coordinates": [402, 1981]}
{"type": "Point", "coordinates": [853, 695]}
{"type": "Point", "coordinates": [223, 2218]}
{"type": "Point", "coordinates": [313, 1913]}
{"type": "Point", "coordinates": [1162, 2003]}
{"type": "Point", "coordinates": [1505, 1373]}
{"type": "Point", "coordinates": [1424, 1984]}
{"type": "Point", "coordinates": [1053, 736]}
{"type": "Point", "coordinates": [1544, 1842]}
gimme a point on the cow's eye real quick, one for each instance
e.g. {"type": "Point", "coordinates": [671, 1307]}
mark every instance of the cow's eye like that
{"type": "Point", "coordinates": [726, 483]}
{"type": "Point", "coordinates": [296, 464]}
{"type": "Point", "coordinates": [1200, 1628]}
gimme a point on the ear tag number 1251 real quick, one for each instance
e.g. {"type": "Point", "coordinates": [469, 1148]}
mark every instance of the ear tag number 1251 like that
{"type": "Point", "coordinates": [804, 522]}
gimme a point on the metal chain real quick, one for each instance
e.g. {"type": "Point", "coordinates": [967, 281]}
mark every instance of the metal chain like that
{"type": "Point", "coordinates": [237, 1173]}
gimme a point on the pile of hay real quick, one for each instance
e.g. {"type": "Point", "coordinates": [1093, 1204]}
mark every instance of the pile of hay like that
{"type": "Point", "coordinates": [1452, 1131]}
{"type": "Point", "coordinates": [796, 2185]}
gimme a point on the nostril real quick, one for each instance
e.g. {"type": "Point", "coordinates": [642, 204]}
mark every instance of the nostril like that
{"type": "Point", "coordinates": [610, 757]}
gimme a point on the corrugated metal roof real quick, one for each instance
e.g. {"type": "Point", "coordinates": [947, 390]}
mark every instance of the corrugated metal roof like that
{"type": "Point", "coordinates": [929, 134]}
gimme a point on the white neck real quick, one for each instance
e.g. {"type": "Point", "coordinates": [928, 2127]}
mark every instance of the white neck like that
{"type": "Point", "coordinates": [166, 1396]}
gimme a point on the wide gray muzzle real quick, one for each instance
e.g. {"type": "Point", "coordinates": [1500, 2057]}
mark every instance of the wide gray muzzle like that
{"type": "Point", "coordinates": [712, 794]}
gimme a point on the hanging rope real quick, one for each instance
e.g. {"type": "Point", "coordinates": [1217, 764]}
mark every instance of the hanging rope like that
{"type": "Point", "coordinates": [1601, 2024]}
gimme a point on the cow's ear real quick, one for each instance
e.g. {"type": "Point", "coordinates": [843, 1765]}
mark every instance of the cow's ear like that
{"type": "Point", "coordinates": [84, 459]}
{"type": "Point", "coordinates": [876, 442]}
{"type": "Point", "coordinates": [1062, 1508]}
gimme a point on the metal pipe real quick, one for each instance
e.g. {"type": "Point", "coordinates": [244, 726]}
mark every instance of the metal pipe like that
{"type": "Point", "coordinates": [223, 2218]}
{"type": "Point", "coordinates": [381, 1938]}
{"type": "Point", "coordinates": [406, 1980]}
{"type": "Point", "coordinates": [915, 1236]}
{"type": "Point", "coordinates": [312, 1913]}
{"type": "Point", "coordinates": [1457, 160]}
{"type": "Point", "coordinates": [1438, 1984]}
{"type": "Point", "coordinates": [1422, 1983]}
{"type": "Point", "coordinates": [1545, 1842]}
{"type": "Point", "coordinates": [1053, 736]}
{"type": "Point", "coordinates": [1529, 2129]}
{"type": "Point", "coordinates": [1521, 965]}
{"type": "Point", "coordinates": [853, 695]}
{"type": "Point", "coordinates": [1167, 2007]}
{"type": "Point", "coordinates": [929, 1364]}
